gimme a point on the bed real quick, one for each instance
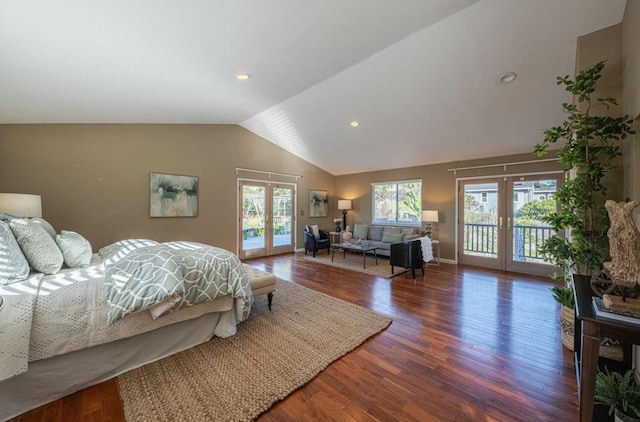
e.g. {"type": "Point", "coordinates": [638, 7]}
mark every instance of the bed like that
{"type": "Point", "coordinates": [61, 333]}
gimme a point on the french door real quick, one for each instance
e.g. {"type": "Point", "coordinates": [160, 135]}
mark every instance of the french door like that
{"type": "Point", "coordinates": [500, 222]}
{"type": "Point", "coordinates": [266, 218]}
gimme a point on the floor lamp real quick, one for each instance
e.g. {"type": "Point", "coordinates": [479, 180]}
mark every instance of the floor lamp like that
{"type": "Point", "coordinates": [344, 205]}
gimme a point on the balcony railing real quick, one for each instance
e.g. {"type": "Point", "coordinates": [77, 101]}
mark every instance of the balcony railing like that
{"type": "Point", "coordinates": [482, 240]}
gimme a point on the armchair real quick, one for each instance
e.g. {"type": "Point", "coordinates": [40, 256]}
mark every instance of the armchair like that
{"type": "Point", "coordinates": [313, 243]}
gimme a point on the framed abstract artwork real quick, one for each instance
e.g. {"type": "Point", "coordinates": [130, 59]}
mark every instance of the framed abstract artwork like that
{"type": "Point", "coordinates": [173, 195]}
{"type": "Point", "coordinates": [318, 203]}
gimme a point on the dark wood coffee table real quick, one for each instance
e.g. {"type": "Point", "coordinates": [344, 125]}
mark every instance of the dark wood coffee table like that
{"type": "Point", "coordinates": [354, 248]}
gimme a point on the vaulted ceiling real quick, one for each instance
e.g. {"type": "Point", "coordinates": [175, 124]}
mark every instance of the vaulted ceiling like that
{"type": "Point", "coordinates": [420, 76]}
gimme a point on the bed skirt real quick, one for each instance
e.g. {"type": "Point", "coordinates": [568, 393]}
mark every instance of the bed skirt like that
{"type": "Point", "coordinates": [53, 378]}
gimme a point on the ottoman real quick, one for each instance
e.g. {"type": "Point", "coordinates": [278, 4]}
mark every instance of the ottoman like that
{"type": "Point", "coordinates": [262, 282]}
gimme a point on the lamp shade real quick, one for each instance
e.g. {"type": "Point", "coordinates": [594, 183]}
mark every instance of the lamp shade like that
{"type": "Point", "coordinates": [21, 204]}
{"type": "Point", "coordinates": [344, 204]}
{"type": "Point", "coordinates": [430, 216]}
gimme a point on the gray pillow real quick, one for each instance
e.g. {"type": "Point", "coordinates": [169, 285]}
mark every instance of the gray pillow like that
{"type": "Point", "coordinates": [76, 250]}
{"type": "Point", "coordinates": [45, 225]}
{"type": "Point", "coordinates": [375, 233]}
{"type": "Point", "coordinates": [6, 217]}
{"type": "Point", "coordinates": [13, 265]}
{"type": "Point", "coordinates": [392, 237]}
{"type": "Point", "coordinates": [40, 249]}
{"type": "Point", "coordinates": [393, 230]}
{"type": "Point", "coordinates": [409, 232]}
{"type": "Point", "coordinates": [360, 231]}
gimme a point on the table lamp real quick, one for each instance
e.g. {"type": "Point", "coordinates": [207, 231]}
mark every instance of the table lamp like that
{"type": "Point", "coordinates": [429, 217]}
{"type": "Point", "coordinates": [21, 204]}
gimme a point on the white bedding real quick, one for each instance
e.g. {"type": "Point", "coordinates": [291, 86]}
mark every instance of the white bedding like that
{"type": "Point", "coordinates": [69, 313]}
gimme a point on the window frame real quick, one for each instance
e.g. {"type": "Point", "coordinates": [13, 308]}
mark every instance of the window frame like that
{"type": "Point", "coordinates": [396, 222]}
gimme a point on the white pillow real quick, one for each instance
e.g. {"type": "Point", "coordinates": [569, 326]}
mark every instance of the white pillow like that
{"type": "Point", "coordinates": [38, 247]}
{"type": "Point", "coordinates": [76, 250]}
{"type": "Point", "coordinates": [315, 231]}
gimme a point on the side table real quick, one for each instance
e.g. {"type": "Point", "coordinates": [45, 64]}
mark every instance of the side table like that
{"type": "Point", "coordinates": [435, 245]}
{"type": "Point", "coordinates": [334, 237]}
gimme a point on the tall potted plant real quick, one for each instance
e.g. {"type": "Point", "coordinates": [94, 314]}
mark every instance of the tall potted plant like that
{"type": "Point", "coordinates": [592, 143]}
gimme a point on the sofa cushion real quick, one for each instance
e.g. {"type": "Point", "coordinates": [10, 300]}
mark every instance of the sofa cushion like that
{"type": "Point", "coordinates": [375, 233]}
{"type": "Point", "coordinates": [393, 230]}
{"type": "Point", "coordinates": [392, 237]}
{"type": "Point", "coordinates": [409, 231]}
{"type": "Point", "coordinates": [360, 231]}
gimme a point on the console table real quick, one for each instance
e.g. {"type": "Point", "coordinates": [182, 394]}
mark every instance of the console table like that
{"type": "Point", "coordinates": [589, 330]}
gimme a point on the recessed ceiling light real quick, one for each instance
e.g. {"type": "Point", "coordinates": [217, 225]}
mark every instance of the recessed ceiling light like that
{"type": "Point", "coordinates": [242, 76]}
{"type": "Point", "coordinates": [354, 124]}
{"type": "Point", "coordinates": [508, 77]}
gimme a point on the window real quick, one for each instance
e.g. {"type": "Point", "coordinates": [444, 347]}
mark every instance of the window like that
{"type": "Point", "coordinates": [484, 197]}
{"type": "Point", "coordinates": [516, 196]}
{"type": "Point", "coordinates": [397, 202]}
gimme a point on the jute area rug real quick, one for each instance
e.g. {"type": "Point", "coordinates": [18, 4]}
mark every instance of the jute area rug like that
{"type": "Point", "coordinates": [353, 261]}
{"type": "Point", "coordinates": [273, 354]}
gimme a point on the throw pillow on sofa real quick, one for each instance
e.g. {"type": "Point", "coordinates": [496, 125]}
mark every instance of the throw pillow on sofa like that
{"type": "Point", "coordinates": [375, 233]}
{"type": "Point", "coordinates": [392, 237]}
{"type": "Point", "coordinates": [360, 231]}
{"type": "Point", "coordinates": [408, 232]}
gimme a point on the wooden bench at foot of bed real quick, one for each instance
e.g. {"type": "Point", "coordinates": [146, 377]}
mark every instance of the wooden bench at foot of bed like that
{"type": "Point", "coordinates": [261, 282]}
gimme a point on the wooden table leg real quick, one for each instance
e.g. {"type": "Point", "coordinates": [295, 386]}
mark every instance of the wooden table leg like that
{"type": "Point", "coordinates": [588, 368]}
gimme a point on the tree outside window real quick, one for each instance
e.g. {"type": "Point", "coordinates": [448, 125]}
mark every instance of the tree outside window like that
{"type": "Point", "coordinates": [397, 202]}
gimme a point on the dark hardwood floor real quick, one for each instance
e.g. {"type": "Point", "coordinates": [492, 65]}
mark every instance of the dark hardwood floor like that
{"type": "Point", "coordinates": [466, 345]}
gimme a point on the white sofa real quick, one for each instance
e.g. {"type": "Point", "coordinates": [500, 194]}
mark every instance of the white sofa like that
{"type": "Point", "coordinates": [382, 236]}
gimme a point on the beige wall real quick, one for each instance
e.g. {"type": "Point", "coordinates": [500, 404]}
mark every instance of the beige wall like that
{"type": "Point", "coordinates": [438, 190]}
{"type": "Point", "coordinates": [631, 95]}
{"type": "Point", "coordinates": [94, 179]}
{"type": "Point", "coordinates": [606, 44]}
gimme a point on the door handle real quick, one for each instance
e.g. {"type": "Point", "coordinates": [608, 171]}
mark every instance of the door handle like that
{"type": "Point", "coordinates": [508, 223]}
{"type": "Point", "coordinates": [500, 222]}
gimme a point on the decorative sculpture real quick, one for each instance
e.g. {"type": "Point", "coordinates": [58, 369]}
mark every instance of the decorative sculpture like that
{"type": "Point", "coordinates": [621, 275]}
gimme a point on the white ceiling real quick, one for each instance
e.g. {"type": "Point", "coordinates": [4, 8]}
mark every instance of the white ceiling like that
{"type": "Point", "coordinates": [419, 75]}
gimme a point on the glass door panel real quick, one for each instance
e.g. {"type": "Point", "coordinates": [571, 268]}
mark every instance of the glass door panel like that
{"type": "Point", "coordinates": [501, 222]}
{"type": "Point", "coordinates": [266, 219]}
{"type": "Point", "coordinates": [480, 223]}
{"type": "Point", "coordinates": [253, 220]}
{"type": "Point", "coordinates": [532, 198]}
{"type": "Point", "coordinates": [282, 217]}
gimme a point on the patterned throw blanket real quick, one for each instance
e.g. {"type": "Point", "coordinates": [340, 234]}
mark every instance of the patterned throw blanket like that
{"type": "Point", "coordinates": [144, 274]}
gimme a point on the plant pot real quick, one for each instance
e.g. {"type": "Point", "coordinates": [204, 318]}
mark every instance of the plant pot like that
{"type": "Point", "coordinates": [610, 349]}
{"type": "Point", "coordinates": [621, 417]}
{"type": "Point", "coordinates": [567, 324]}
